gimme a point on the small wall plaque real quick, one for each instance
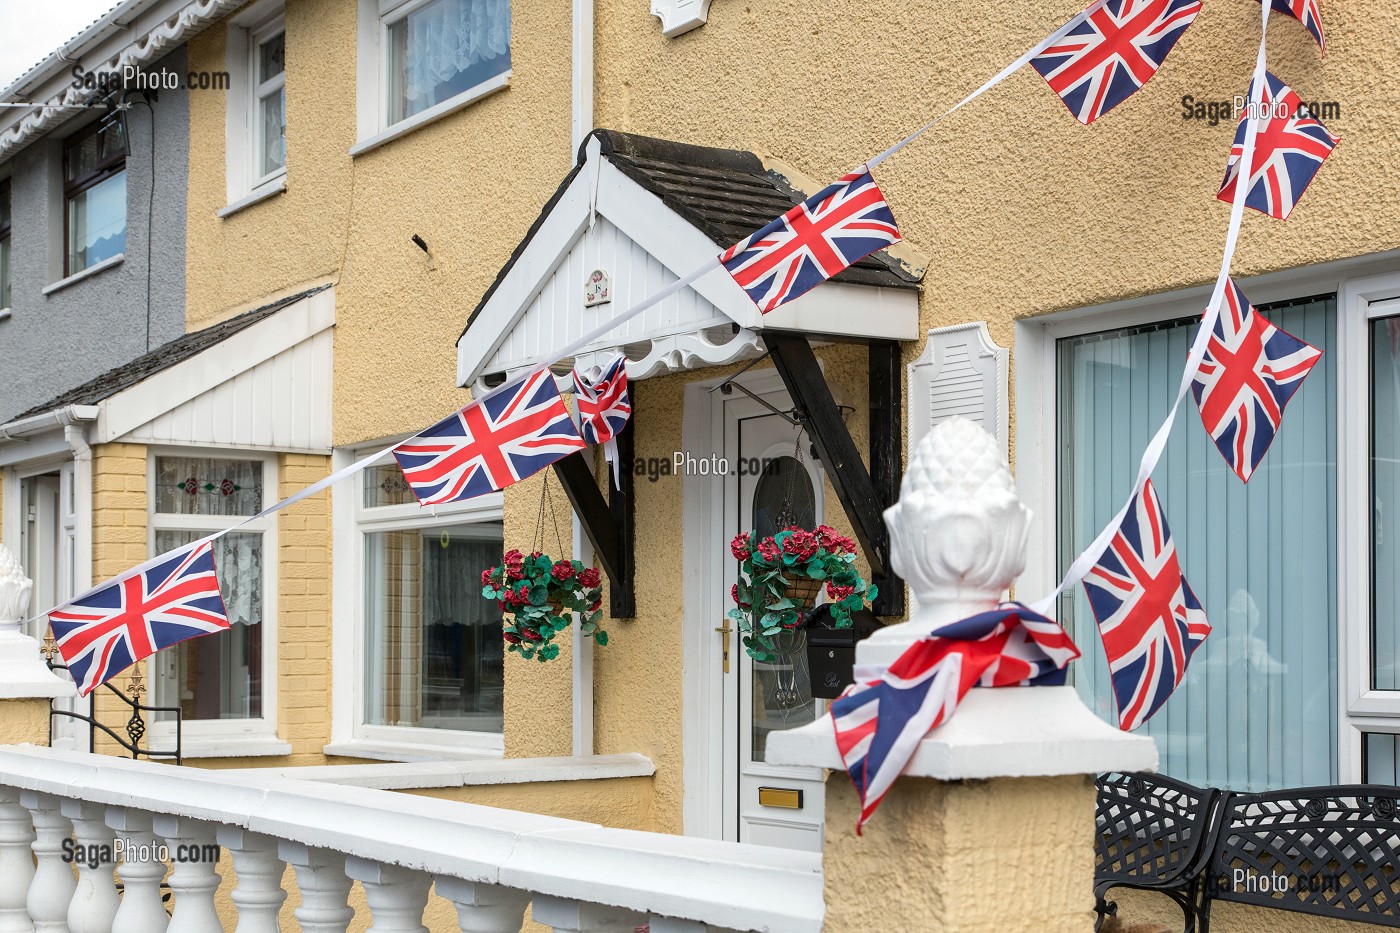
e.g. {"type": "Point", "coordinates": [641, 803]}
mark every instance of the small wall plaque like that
{"type": "Point", "coordinates": [598, 289]}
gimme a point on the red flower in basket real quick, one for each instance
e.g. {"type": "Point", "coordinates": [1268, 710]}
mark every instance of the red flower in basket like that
{"type": "Point", "coordinates": [540, 596]}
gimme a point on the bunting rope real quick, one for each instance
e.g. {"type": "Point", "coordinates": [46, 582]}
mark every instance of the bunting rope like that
{"type": "Point", "coordinates": [1153, 453]}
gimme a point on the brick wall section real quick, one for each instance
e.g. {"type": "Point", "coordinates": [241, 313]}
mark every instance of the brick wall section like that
{"type": "Point", "coordinates": [304, 614]}
{"type": "Point", "coordinates": [119, 542]}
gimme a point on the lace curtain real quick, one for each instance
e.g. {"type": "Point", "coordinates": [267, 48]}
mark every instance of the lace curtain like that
{"type": "Point", "coordinates": [238, 558]}
{"type": "Point", "coordinates": [445, 42]}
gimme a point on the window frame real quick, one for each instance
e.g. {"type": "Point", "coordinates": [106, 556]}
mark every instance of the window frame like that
{"type": "Point", "coordinates": [247, 32]}
{"type": "Point", "coordinates": [352, 521]}
{"type": "Point", "coordinates": [212, 738]}
{"type": "Point", "coordinates": [372, 78]}
{"type": "Point", "coordinates": [107, 168]}
{"type": "Point", "coordinates": [1361, 286]}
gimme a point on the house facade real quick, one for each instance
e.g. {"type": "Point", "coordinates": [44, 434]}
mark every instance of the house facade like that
{"type": "Point", "coordinates": [452, 203]}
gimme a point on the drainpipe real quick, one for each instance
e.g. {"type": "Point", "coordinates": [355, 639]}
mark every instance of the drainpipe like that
{"type": "Point", "coordinates": [583, 75]}
{"type": "Point", "coordinates": [75, 435]}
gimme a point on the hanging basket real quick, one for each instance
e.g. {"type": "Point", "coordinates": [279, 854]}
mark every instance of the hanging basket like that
{"type": "Point", "coordinates": [530, 627]}
{"type": "Point", "coordinates": [804, 592]}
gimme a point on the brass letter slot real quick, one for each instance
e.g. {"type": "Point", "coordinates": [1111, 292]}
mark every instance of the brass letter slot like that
{"type": "Point", "coordinates": [784, 797]}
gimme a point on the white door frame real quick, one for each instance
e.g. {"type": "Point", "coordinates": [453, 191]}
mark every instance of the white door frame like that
{"type": "Point", "coordinates": [702, 518]}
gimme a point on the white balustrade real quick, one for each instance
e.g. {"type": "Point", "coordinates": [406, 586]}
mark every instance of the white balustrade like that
{"type": "Point", "coordinates": [569, 916]}
{"type": "Point", "coordinates": [194, 878]}
{"type": "Point", "coordinates": [492, 865]}
{"type": "Point", "coordinates": [325, 888]}
{"type": "Point", "coordinates": [258, 895]}
{"type": "Point", "coordinates": [95, 901]}
{"type": "Point", "coordinates": [484, 908]}
{"type": "Point", "coordinates": [141, 872]}
{"type": "Point", "coordinates": [54, 884]}
{"type": "Point", "coordinates": [396, 896]}
{"type": "Point", "coordinates": [16, 863]}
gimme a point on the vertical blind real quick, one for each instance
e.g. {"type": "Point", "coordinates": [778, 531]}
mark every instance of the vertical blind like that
{"type": "Point", "coordinates": [1257, 708]}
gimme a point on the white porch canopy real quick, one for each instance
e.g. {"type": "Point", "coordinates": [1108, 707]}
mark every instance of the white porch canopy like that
{"type": "Point", "coordinates": [645, 212]}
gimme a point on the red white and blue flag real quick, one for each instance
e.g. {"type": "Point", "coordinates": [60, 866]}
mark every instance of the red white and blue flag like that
{"type": "Point", "coordinates": [490, 444]}
{"type": "Point", "coordinates": [1111, 51]}
{"type": "Point", "coordinates": [1306, 12]}
{"type": "Point", "coordinates": [1248, 374]}
{"type": "Point", "coordinates": [1289, 148]}
{"type": "Point", "coordinates": [1149, 619]}
{"type": "Point", "coordinates": [879, 724]}
{"type": "Point", "coordinates": [604, 405]}
{"type": "Point", "coordinates": [840, 225]}
{"type": "Point", "coordinates": [108, 630]}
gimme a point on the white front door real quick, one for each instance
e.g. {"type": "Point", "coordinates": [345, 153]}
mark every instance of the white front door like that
{"type": "Point", "coordinates": [768, 481]}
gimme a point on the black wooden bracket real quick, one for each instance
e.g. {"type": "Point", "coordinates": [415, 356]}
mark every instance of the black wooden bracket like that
{"type": "Point", "coordinates": [608, 523]}
{"type": "Point", "coordinates": [886, 381]}
{"type": "Point", "coordinates": [817, 409]}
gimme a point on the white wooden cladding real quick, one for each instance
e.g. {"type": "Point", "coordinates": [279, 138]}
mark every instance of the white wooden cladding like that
{"type": "Point", "coordinates": [557, 314]}
{"type": "Point", "coordinates": [491, 865]}
{"type": "Point", "coordinates": [961, 372]}
{"type": "Point", "coordinates": [282, 403]}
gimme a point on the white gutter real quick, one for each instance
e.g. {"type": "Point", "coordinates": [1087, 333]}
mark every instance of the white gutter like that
{"type": "Point", "coordinates": [58, 418]}
{"type": "Point", "coordinates": [583, 75]}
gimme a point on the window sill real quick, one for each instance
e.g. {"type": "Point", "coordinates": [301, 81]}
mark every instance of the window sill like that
{"type": "Point", "coordinates": [4, 314]}
{"type": "Point", "coordinates": [89, 271]}
{"type": "Point", "coordinates": [267, 189]}
{"type": "Point", "coordinates": [232, 746]}
{"type": "Point", "coordinates": [379, 750]}
{"type": "Point", "coordinates": [437, 774]}
{"type": "Point", "coordinates": [432, 114]}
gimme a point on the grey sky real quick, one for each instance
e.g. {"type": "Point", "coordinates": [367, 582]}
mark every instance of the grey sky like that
{"type": "Point", "coordinates": [30, 30]}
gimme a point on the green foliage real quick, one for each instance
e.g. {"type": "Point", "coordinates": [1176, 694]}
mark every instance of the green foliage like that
{"type": "Point", "coordinates": [538, 597]}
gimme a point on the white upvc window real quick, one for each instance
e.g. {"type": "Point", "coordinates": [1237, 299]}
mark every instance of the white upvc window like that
{"type": "Point", "coordinates": [418, 646]}
{"type": "Point", "coordinates": [225, 685]}
{"type": "Point", "coordinates": [420, 60]}
{"type": "Point", "coordinates": [256, 128]}
{"type": "Point", "coordinates": [1299, 682]}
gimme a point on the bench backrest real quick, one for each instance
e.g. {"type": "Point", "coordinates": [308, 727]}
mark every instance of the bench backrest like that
{"type": "Point", "coordinates": [1333, 851]}
{"type": "Point", "coordinates": [1152, 829]}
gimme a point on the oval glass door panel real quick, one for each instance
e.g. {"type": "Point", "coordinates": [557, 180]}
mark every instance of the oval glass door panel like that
{"type": "Point", "coordinates": [782, 688]}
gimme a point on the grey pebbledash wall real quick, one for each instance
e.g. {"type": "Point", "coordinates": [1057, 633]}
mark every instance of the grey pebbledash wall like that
{"type": "Point", "coordinates": [51, 343]}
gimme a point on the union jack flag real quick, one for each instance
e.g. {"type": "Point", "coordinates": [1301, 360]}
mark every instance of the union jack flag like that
{"type": "Point", "coordinates": [133, 617]}
{"type": "Point", "coordinates": [839, 225]}
{"type": "Point", "coordinates": [1289, 148]}
{"type": "Point", "coordinates": [1149, 619]}
{"type": "Point", "coordinates": [1306, 12]}
{"type": "Point", "coordinates": [604, 404]}
{"type": "Point", "coordinates": [1249, 372]}
{"type": "Point", "coordinates": [490, 444]}
{"type": "Point", "coordinates": [879, 724]}
{"type": "Point", "coordinates": [1112, 51]}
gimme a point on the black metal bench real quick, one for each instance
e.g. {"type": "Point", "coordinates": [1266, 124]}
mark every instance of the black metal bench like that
{"type": "Point", "coordinates": [1153, 835]}
{"type": "Point", "coordinates": [1329, 851]}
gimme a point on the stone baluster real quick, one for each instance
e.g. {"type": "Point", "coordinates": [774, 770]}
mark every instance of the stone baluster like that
{"type": "Point", "coordinates": [54, 884]}
{"type": "Point", "coordinates": [194, 877]}
{"type": "Point", "coordinates": [325, 888]}
{"type": "Point", "coordinates": [16, 863]}
{"type": "Point", "coordinates": [94, 904]}
{"type": "Point", "coordinates": [141, 909]}
{"type": "Point", "coordinates": [397, 896]}
{"type": "Point", "coordinates": [259, 894]}
{"type": "Point", "coordinates": [485, 908]}
{"type": "Point", "coordinates": [570, 916]}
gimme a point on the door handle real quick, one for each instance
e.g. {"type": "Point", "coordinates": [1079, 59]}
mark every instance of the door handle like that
{"type": "Point", "coordinates": [726, 631]}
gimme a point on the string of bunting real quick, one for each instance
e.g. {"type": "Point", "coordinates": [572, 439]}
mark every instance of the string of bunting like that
{"type": "Point", "coordinates": [519, 427]}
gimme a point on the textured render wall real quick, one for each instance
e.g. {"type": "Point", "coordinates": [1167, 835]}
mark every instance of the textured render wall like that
{"type": "Point", "coordinates": [1140, 907]}
{"type": "Point", "coordinates": [469, 184]}
{"type": "Point", "coordinates": [619, 803]}
{"type": "Point", "coordinates": [946, 857]}
{"type": "Point", "coordinates": [119, 542]}
{"type": "Point", "coordinates": [61, 340]}
{"type": "Point", "coordinates": [24, 722]}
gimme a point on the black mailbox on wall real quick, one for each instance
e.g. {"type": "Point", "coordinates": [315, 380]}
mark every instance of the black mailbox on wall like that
{"type": "Point", "coordinates": [831, 652]}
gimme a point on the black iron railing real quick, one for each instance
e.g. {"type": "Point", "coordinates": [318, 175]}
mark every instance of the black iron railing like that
{"type": "Point", "coordinates": [135, 728]}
